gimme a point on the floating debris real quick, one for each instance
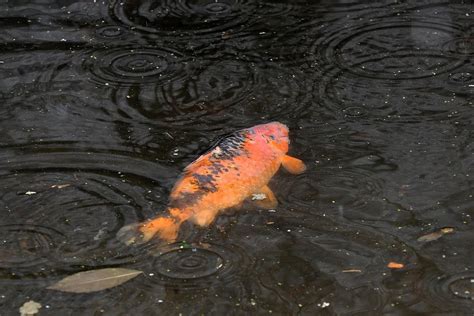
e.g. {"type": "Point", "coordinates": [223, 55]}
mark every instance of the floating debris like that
{"type": "Point", "coordinates": [324, 304]}
{"type": "Point", "coordinates": [95, 280]}
{"type": "Point", "coordinates": [395, 265]}
{"type": "Point", "coordinates": [436, 235]}
{"type": "Point", "coordinates": [30, 308]}
{"type": "Point", "coordinates": [352, 271]}
{"type": "Point", "coordinates": [60, 186]}
{"type": "Point", "coordinates": [259, 196]}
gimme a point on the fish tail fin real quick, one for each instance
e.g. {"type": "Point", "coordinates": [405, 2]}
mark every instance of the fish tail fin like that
{"type": "Point", "coordinates": [165, 228]}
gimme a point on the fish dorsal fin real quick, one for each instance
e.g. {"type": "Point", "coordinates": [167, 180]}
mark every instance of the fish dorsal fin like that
{"type": "Point", "coordinates": [200, 162]}
{"type": "Point", "coordinates": [224, 148]}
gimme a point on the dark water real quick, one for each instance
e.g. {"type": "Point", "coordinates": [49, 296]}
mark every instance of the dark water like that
{"type": "Point", "coordinates": [104, 103]}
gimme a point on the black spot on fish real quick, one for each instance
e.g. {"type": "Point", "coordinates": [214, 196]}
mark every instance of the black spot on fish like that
{"type": "Point", "coordinates": [230, 146]}
{"type": "Point", "coordinates": [186, 199]}
{"type": "Point", "coordinates": [227, 148]}
{"type": "Point", "coordinates": [203, 183]}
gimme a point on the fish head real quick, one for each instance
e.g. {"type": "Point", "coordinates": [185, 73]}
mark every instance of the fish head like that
{"type": "Point", "coordinates": [274, 134]}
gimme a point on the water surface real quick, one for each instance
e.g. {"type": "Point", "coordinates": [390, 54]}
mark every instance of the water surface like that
{"type": "Point", "coordinates": [104, 103]}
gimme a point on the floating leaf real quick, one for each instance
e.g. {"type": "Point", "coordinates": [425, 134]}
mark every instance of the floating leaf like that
{"type": "Point", "coordinates": [436, 235]}
{"type": "Point", "coordinates": [94, 280]}
{"type": "Point", "coordinates": [30, 308]}
{"type": "Point", "coordinates": [352, 271]}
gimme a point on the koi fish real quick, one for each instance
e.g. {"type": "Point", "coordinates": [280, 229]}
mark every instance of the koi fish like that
{"type": "Point", "coordinates": [236, 168]}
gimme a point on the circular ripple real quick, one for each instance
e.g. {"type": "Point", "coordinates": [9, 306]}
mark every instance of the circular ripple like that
{"type": "Point", "coordinates": [77, 203]}
{"type": "Point", "coordinates": [354, 111]}
{"type": "Point", "coordinates": [355, 192]}
{"type": "Point", "coordinates": [394, 51]}
{"type": "Point", "coordinates": [463, 287]}
{"type": "Point", "coordinates": [460, 46]}
{"type": "Point", "coordinates": [461, 77]}
{"type": "Point", "coordinates": [345, 95]}
{"type": "Point", "coordinates": [199, 265]}
{"type": "Point", "coordinates": [218, 86]}
{"type": "Point", "coordinates": [195, 17]}
{"type": "Point", "coordinates": [218, 92]}
{"type": "Point", "coordinates": [455, 291]}
{"type": "Point", "coordinates": [129, 66]}
{"type": "Point", "coordinates": [189, 263]}
{"type": "Point", "coordinates": [26, 246]}
{"type": "Point", "coordinates": [111, 31]}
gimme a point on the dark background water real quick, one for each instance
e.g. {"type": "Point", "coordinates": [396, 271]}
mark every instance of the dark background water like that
{"type": "Point", "coordinates": [104, 103]}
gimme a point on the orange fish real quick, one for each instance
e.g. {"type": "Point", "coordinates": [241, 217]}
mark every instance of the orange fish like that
{"type": "Point", "coordinates": [236, 168]}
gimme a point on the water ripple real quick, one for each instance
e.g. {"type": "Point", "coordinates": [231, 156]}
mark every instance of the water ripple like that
{"type": "Point", "coordinates": [198, 266]}
{"type": "Point", "coordinates": [218, 92]}
{"type": "Point", "coordinates": [305, 259]}
{"type": "Point", "coordinates": [194, 18]}
{"type": "Point", "coordinates": [26, 246]}
{"type": "Point", "coordinates": [131, 65]}
{"type": "Point", "coordinates": [111, 32]}
{"type": "Point", "coordinates": [450, 292]}
{"type": "Point", "coordinates": [404, 101]}
{"type": "Point", "coordinates": [71, 206]}
{"type": "Point", "coordinates": [155, 16]}
{"type": "Point", "coordinates": [462, 46]}
{"type": "Point", "coordinates": [383, 50]}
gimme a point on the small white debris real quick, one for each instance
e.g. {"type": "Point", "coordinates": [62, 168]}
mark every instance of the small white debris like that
{"type": "Point", "coordinates": [60, 186]}
{"type": "Point", "coordinates": [259, 196]}
{"type": "Point", "coordinates": [30, 192]}
{"type": "Point", "coordinates": [324, 304]}
{"type": "Point", "coordinates": [30, 308]}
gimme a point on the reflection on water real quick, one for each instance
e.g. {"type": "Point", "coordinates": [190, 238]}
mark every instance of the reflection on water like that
{"type": "Point", "coordinates": [103, 103]}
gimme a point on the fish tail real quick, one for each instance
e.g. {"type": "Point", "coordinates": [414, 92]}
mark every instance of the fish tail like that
{"type": "Point", "coordinates": [165, 228]}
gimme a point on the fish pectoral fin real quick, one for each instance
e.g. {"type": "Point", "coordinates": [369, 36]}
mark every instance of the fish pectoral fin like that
{"type": "Point", "coordinates": [264, 198]}
{"type": "Point", "coordinates": [293, 165]}
{"type": "Point", "coordinates": [204, 218]}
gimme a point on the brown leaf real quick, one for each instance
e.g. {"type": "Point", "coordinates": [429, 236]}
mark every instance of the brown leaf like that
{"type": "Point", "coordinates": [94, 280]}
{"type": "Point", "coordinates": [436, 235]}
{"type": "Point", "coordinates": [352, 271]}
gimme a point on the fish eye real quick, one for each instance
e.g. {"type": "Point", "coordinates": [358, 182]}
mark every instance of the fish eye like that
{"type": "Point", "coordinates": [272, 137]}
